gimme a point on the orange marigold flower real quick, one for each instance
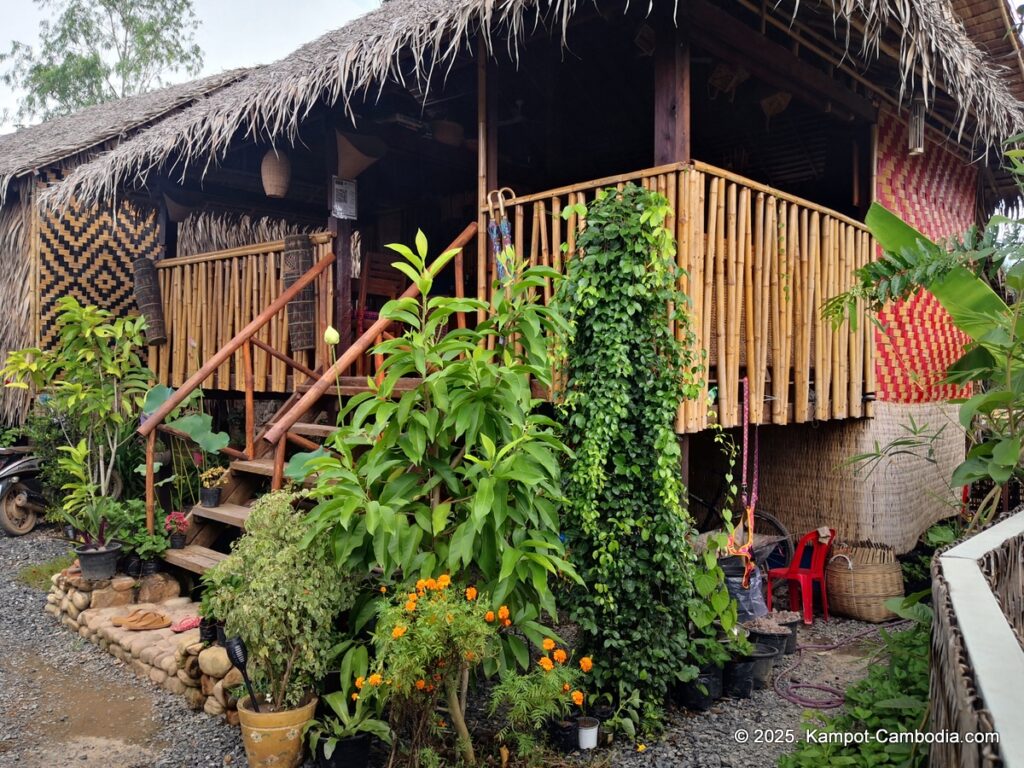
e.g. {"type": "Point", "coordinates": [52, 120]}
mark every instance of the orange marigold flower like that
{"type": "Point", "coordinates": [398, 631]}
{"type": "Point", "coordinates": [565, 687]}
{"type": "Point", "coordinates": [577, 698]}
{"type": "Point", "coordinates": [441, 723]}
{"type": "Point", "coordinates": [503, 612]}
{"type": "Point", "coordinates": [471, 593]}
{"type": "Point", "coordinates": [421, 585]}
{"type": "Point", "coordinates": [560, 656]}
{"type": "Point", "coordinates": [586, 663]}
{"type": "Point", "coordinates": [443, 581]}
{"type": "Point", "coordinates": [431, 584]}
{"type": "Point", "coordinates": [507, 623]}
{"type": "Point", "coordinates": [410, 606]}
{"type": "Point", "coordinates": [383, 589]}
{"type": "Point", "coordinates": [548, 644]}
{"type": "Point", "coordinates": [375, 680]}
{"type": "Point", "coordinates": [413, 597]}
{"type": "Point", "coordinates": [470, 656]}
{"type": "Point", "coordinates": [430, 689]}
{"type": "Point", "coordinates": [421, 684]}
{"type": "Point", "coordinates": [359, 682]}
{"type": "Point", "coordinates": [355, 696]}
{"type": "Point", "coordinates": [546, 664]}
{"type": "Point", "coordinates": [489, 617]}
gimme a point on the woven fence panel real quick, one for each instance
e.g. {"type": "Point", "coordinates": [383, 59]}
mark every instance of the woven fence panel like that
{"type": "Point", "coordinates": [87, 253]}
{"type": "Point", "coordinates": [934, 192]}
{"type": "Point", "coordinates": [16, 299]}
{"type": "Point", "coordinates": [955, 705]}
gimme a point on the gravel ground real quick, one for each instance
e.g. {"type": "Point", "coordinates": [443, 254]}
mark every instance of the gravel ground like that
{"type": "Point", "coordinates": [65, 702]}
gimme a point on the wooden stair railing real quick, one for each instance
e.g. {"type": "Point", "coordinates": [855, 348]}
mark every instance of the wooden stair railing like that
{"type": "Point", "coordinates": [278, 434]}
{"type": "Point", "coordinates": [244, 340]}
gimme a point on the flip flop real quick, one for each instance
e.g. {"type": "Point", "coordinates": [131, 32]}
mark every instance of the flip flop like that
{"type": "Point", "coordinates": [187, 623]}
{"type": "Point", "coordinates": [149, 620]}
{"type": "Point", "coordinates": [120, 621]}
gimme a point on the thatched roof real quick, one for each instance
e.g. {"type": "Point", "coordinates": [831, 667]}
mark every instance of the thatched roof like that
{"type": "Point", "coordinates": [420, 39]}
{"type": "Point", "coordinates": [38, 146]}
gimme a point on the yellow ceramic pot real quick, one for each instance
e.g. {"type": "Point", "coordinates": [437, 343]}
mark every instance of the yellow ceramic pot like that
{"type": "Point", "coordinates": [274, 739]}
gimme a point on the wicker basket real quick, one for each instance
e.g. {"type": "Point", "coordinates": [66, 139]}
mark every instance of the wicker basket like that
{"type": "Point", "coordinates": [860, 579]}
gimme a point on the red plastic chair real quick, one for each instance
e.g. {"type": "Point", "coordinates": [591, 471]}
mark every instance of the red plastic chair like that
{"type": "Point", "coordinates": [805, 578]}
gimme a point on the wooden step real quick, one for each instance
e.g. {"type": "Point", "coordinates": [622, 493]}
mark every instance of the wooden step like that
{"type": "Point", "coordinates": [313, 430]}
{"type": "Point", "coordinates": [194, 558]}
{"type": "Point", "coordinates": [229, 514]}
{"type": "Point", "coordinates": [353, 385]}
{"type": "Point", "coordinates": [263, 467]}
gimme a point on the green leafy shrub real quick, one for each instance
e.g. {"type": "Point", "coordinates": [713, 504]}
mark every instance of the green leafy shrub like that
{"type": "Point", "coordinates": [893, 697]}
{"type": "Point", "coordinates": [647, 595]}
{"type": "Point", "coordinates": [282, 598]}
{"type": "Point", "coordinates": [461, 473]}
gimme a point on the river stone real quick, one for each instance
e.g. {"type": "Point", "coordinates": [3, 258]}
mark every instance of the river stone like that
{"type": "Point", "coordinates": [174, 685]}
{"type": "Point", "coordinates": [186, 639]}
{"type": "Point", "coordinates": [195, 698]}
{"type": "Point", "coordinates": [233, 678]}
{"type": "Point", "coordinates": [158, 587]}
{"type": "Point", "coordinates": [157, 675]}
{"type": "Point", "coordinates": [213, 707]}
{"type": "Point", "coordinates": [73, 612]}
{"type": "Point", "coordinates": [219, 694]}
{"type": "Point", "coordinates": [190, 682]}
{"type": "Point", "coordinates": [80, 600]}
{"type": "Point", "coordinates": [109, 598]}
{"type": "Point", "coordinates": [169, 665]}
{"type": "Point", "coordinates": [122, 583]}
{"type": "Point", "coordinates": [215, 662]}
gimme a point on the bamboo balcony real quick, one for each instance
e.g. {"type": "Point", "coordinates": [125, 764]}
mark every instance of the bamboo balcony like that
{"type": "Point", "coordinates": [759, 264]}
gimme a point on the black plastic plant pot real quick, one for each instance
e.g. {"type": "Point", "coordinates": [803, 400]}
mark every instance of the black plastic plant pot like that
{"type": "Point", "coordinates": [791, 638]}
{"type": "Point", "coordinates": [701, 693]}
{"type": "Point", "coordinates": [221, 637]}
{"type": "Point", "coordinates": [177, 540]}
{"type": "Point", "coordinates": [209, 497]}
{"type": "Point", "coordinates": [132, 565]}
{"type": "Point", "coordinates": [149, 567]}
{"type": "Point", "coordinates": [776, 641]}
{"type": "Point", "coordinates": [207, 631]}
{"type": "Point", "coordinates": [563, 735]}
{"type": "Point", "coordinates": [764, 657]}
{"type": "Point", "coordinates": [353, 752]}
{"type": "Point", "coordinates": [99, 564]}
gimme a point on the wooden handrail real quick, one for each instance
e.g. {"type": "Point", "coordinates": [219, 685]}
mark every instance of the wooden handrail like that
{"type": "Point", "coordinates": [286, 421]}
{"type": "Point", "coordinates": [271, 246]}
{"type": "Point", "coordinates": [225, 352]}
{"type": "Point", "coordinates": [287, 360]}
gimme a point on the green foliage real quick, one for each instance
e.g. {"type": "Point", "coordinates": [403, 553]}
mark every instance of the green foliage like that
{"type": "Point", "coordinates": [964, 276]}
{"type": "Point", "coordinates": [282, 598]}
{"type": "Point", "coordinates": [38, 575]}
{"type": "Point", "coordinates": [91, 51]}
{"type": "Point", "coordinates": [95, 380]}
{"type": "Point", "coordinates": [352, 711]}
{"type": "Point", "coordinates": [529, 700]}
{"type": "Point", "coordinates": [46, 433]}
{"type": "Point", "coordinates": [893, 697]}
{"type": "Point", "coordinates": [461, 473]}
{"type": "Point", "coordinates": [647, 595]}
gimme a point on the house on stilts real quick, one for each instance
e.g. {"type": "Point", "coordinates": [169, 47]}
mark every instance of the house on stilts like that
{"type": "Point", "coordinates": [770, 128]}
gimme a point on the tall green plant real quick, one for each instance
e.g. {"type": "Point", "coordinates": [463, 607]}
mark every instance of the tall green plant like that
{"type": "Point", "coordinates": [648, 598]}
{"type": "Point", "coordinates": [461, 473]}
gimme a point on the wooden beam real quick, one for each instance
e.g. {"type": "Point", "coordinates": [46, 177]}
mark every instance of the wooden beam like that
{"type": "Point", "coordinates": [732, 41]}
{"type": "Point", "coordinates": [671, 97]}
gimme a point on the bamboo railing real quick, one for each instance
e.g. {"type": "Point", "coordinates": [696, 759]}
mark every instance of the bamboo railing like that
{"type": "Point", "coordinates": [210, 297]}
{"type": "Point", "coordinates": [758, 266]}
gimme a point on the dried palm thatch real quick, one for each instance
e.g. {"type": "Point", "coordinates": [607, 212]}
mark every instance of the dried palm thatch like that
{"type": "Point", "coordinates": [16, 331]}
{"type": "Point", "coordinates": [204, 231]}
{"type": "Point", "coordinates": [418, 40]}
{"type": "Point", "coordinates": [48, 144]}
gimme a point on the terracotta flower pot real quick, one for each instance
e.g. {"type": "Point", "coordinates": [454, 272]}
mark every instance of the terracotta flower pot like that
{"type": "Point", "coordinates": [274, 738]}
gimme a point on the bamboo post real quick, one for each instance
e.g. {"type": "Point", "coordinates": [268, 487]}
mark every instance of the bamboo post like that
{"type": "Point", "coordinates": [277, 481]}
{"type": "Point", "coordinates": [731, 300]}
{"type": "Point", "coordinates": [150, 483]}
{"type": "Point", "coordinates": [250, 406]}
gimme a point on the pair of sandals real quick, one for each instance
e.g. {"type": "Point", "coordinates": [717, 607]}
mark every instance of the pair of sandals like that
{"type": "Point", "coordinates": [140, 620]}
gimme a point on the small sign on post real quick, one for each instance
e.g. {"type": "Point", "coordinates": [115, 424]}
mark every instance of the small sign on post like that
{"type": "Point", "coordinates": [343, 199]}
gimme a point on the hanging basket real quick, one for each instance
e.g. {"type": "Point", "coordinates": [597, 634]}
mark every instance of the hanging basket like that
{"type": "Point", "coordinates": [860, 578]}
{"type": "Point", "coordinates": [149, 300]}
{"type": "Point", "coordinates": [276, 171]}
{"type": "Point", "coordinates": [298, 259]}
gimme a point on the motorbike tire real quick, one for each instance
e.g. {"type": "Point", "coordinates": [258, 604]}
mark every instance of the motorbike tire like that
{"type": "Point", "coordinates": [16, 520]}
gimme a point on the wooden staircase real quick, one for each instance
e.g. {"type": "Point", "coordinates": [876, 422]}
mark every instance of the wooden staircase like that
{"type": "Point", "coordinates": [298, 425]}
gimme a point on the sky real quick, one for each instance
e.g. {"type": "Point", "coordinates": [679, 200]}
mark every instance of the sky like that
{"type": "Point", "coordinates": [232, 33]}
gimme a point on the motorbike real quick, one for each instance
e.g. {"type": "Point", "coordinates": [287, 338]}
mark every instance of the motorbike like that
{"type": "Point", "coordinates": [21, 494]}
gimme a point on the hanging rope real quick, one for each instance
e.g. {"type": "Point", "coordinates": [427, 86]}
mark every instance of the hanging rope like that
{"type": "Point", "coordinates": [748, 500]}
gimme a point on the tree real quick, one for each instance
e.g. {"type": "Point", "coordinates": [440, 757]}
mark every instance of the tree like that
{"type": "Point", "coordinates": [99, 50]}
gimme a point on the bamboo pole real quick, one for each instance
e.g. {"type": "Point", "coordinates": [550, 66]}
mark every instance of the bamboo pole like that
{"type": "Point", "coordinates": [731, 303]}
{"type": "Point", "coordinates": [250, 405]}
{"type": "Point", "coordinates": [150, 482]}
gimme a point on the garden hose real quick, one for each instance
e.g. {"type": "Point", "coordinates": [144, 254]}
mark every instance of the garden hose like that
{"type": "Point", "coordinates": [833, 698]}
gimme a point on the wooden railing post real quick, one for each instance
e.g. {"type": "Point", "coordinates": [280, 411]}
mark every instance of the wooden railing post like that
{"type": "Point", "coordinates": [250, 405]}
{"type": "Point", "coordinates": [277, 481]}
{"type": "Point", "coordinates": [150, 483]}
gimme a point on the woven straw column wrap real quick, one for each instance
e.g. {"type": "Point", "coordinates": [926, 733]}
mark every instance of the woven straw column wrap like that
{"type": "Point", "coordinates": [149, 299]}
{"type": "Point", "coordinates": [298, 259]}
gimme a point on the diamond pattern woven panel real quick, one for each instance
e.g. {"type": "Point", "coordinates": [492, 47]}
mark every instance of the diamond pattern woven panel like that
{"type": "Point", "coordinates": [934, 192]}
{"type": "Point", "coordinates": [88, 254]}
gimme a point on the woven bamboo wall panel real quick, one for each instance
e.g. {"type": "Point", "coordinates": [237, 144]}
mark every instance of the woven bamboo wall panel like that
{"type": "Point", "coordinates": [934, 192]}
{"type": "Point", "coordinates": [87, 253]}
{"type": "Point", "coordinates": [16, 298]}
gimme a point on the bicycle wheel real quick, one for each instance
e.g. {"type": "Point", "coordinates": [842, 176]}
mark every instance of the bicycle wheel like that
{"type": "Point", "coordinates": [779, 553]}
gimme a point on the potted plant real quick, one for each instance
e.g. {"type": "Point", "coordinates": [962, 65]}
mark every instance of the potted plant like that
{"type": "Point", "coordinates": [97, 549]}
{"type": "Point", "coordinates": [283, 597]}
{"type": "Point", "coordinates": [176, 525]}
{"type": "Point", "coordinates": [212, 480]}
{"type": "Point", "coordinates": [150, 548]}
{"type": "Point", "coordinates": [342, 738]}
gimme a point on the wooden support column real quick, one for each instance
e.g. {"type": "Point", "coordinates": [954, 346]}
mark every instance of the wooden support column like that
{"type": "Point", "coordinates": [672, 98]}
{"type": "Point", "coordinates": [167, 231]}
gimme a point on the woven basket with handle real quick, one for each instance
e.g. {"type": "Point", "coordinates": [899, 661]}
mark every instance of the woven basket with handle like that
{"type": "Point", "coordinates": [860, 578]}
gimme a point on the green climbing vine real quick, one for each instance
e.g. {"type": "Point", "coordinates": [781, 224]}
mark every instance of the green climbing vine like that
{"type": "Point", "coordinates": [650, 605]}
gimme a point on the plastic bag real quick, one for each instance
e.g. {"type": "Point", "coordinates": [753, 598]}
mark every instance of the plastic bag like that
{"type": "Point", "coordinates": [750, 603]}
